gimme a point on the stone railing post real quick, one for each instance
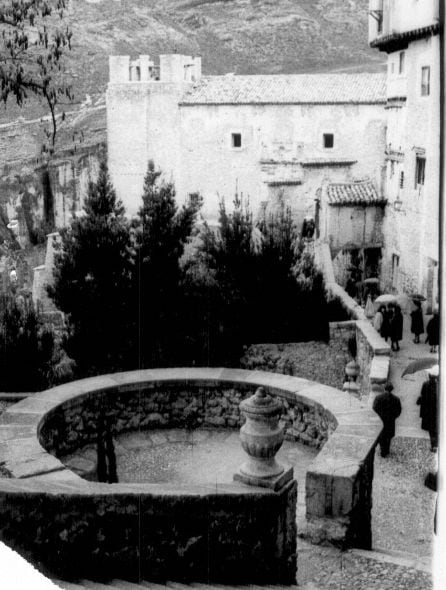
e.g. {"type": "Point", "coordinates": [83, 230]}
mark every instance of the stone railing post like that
{"type": "Point", "coordinates": [261, 438]}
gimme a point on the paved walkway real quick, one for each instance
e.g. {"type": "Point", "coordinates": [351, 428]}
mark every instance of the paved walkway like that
{"type": "Point", "coordinates": [408, 388]}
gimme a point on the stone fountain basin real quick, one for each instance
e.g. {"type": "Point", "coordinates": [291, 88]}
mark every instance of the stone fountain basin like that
{"type": "Point", "coordinates": [49, 511]}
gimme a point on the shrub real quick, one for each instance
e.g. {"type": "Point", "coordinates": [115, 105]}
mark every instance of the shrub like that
{"type": "Point", "coordinates": [26, 346]}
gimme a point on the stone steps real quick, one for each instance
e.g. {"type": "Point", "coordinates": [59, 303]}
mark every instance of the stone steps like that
{"type": "Point", "coordinates": [144, 585]}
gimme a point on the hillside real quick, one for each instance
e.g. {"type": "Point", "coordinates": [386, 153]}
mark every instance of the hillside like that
{"type": "Point", "coordinates": [242, 36]}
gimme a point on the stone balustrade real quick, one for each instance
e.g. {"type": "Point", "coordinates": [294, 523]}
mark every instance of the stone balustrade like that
{"type": "Point", "coordinates": [230, 533]}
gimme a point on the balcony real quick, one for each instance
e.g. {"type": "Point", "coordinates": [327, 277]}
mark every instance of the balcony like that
{"type": "Point", "coordinates": [393, 24]}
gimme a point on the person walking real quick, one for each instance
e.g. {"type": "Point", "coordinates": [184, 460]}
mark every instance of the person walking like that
{"type": "Point", "coordinates": [369, 308]}
{"type": "Point", "coordinates": [388, 407]}
{"type": "Point", "coordinates": [417, 325]}
{"type": "Point", "coordinates": [433, 331]}
{"type": "Point", "coordinates": [396, 328]}
{"type": "Point", "coordinates": [379, 319]}
{"type": "Point", "coordinates": [428, 402]}
{"type": "Point", "coordinates": [385, 326]}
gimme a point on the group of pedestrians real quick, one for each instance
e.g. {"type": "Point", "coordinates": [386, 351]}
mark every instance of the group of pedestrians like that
{"type": "Point", "coordinates": [388, 321]}
{"type": "Point", "coordinates": [432, 328]}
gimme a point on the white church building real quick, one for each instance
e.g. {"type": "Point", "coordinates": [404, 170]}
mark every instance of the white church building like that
{"type": "Point", "coordinates": [314, 140]}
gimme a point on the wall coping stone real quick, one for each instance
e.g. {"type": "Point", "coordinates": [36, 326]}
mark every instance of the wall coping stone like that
{"type": "Point", "coordinates": [24, 457]}
{"type": "Point", "coordinates": [379, 369]}
{"type": "Point", "coordinates": [375, 340]}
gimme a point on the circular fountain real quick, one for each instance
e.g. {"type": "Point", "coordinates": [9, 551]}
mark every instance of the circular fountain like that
{"type": "Point", "coordinates": [192, 528]}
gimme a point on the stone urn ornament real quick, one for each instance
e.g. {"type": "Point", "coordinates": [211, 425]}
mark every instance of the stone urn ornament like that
{"type": "Point", "coordinates": [261, 437]}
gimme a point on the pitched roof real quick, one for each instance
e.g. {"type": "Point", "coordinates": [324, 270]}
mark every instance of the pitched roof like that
{"type": "Point", "coordinates": [288, 89]}
{"type": "Point", "coordinates": [354, 193]}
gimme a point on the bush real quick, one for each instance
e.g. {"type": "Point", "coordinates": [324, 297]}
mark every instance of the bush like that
{"type": "Point", "coordinates": [26, 347]}
{"type": "Point", "coordinates": [251, 283]}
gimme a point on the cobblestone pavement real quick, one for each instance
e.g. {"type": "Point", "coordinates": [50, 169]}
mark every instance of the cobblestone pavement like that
{"type": "Point", "coordinates": [403, 507]}
{"type": "Point", "coordinates": [324, 568]}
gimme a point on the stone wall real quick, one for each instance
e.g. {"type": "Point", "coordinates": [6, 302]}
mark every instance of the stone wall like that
{"type": "Point", "coordinates": [75, 423]}
{"type": "Point", "coordinates": [317, 361]}
{"type": "Point", "coordinates": [224, 536]}
{"type": "Point", "coordinates": [373, 353]}
{"type": "Point", "coordinates": [235, 533]}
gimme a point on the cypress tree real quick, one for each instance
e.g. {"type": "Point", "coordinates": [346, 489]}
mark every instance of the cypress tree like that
{"type": "Point", "coordinates": [163, 231]}
{"type": "Point", "coordinates": [92, 283]}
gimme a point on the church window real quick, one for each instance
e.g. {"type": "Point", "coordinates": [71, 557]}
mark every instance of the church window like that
{"type": "Point", "coordinates": [425, 80]}
{"type": "Point", "coordinates": [328, 140]}
{"type": "Point", "coordinates": [236, 140]}
{"type": "Point", "coordinates": [420, 167]}
{"type": "Point", "coordinates": [402, 62]}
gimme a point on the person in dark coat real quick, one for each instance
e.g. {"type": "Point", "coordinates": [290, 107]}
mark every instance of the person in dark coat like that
{"type": "Point", "coordinates": [417, 325]}
{"type": "Point", "coordinates": [350, 287]}
{"type": "Point", "coordinates": [385, 325]}
{"type": "Point", "coordinates": [428, 402]}
{"type": "Point", "coordinates": [433, 331]}
{"type": "Point", "coordinates": [388, 407]}
{"type": "Point", "coordinates": [396, 328]}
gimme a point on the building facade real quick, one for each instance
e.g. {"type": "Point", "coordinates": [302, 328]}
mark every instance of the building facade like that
{"type": "Point", "coordinates": [409, 32]}
{"type": "Point", "coordinates": [270, 138]}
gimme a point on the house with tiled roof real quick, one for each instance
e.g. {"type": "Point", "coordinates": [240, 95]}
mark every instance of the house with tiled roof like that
{"type": "Point", "coordinates": [267, 137]}
{"type": "Point", "coordinates": [409, 33]}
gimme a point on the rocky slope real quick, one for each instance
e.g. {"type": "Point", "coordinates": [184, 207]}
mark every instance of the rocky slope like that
{"type": "Point", "coordinates": [242, 36]}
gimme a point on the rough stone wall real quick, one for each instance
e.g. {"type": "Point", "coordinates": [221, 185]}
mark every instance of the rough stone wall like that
{"type": "Point", "coordinates": [373, 357]}
{"type": "Point", "coordinates": [76, 423]}
{"type": "Point", "coordinates": [317, 361]}
{"type": "Point", "coordinates": [238, 537]}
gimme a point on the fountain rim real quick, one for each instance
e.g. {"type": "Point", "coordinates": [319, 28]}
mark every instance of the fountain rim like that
{"type": "Point", "coordinates": [33, 468]}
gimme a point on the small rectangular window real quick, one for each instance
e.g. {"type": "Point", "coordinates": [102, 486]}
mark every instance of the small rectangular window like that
{"type": "Point", "coordinates": [379, 22]}
{"type": "Point", "coordinates": [236, 140]}
{"type": "Point", "coordinates": [402, 179]}
{"type": "Point", "coordinates": [194, 199]}
{"type": "Point", "coordinates": [425, 80]}
{"type": "Point", "coordinates": [402, 62]}
{"type": "Point", "coordinates": [420, 167]}
{"type": "Point", "coordinates": [328, 140]}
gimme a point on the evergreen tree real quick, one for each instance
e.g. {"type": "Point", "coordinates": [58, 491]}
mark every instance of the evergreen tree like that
{"type": "Point", "coordinates": [24, 343]}
{"type": "Point", "coordinates": [163, 231]}
{"type": "Point", "coordinates": [92, 283]}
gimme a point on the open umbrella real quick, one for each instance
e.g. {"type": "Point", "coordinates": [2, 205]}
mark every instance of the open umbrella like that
{"type": "Point", "coordinates": [420, 365]}
{"type": "Point", "coordinates": [385, 299]}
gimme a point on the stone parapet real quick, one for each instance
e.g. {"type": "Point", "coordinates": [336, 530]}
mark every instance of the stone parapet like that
{"type": "Point", "coordinates": [104, 520]}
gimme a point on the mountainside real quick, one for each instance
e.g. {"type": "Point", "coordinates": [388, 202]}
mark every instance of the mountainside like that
{"type": "Point", "coordinates": [241, 36]}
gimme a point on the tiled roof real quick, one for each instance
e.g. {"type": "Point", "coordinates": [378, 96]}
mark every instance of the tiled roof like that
{"type": "Point", "coordinates": [354, 193]}
{"type": "Point", "coordinates": [289, 89]}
